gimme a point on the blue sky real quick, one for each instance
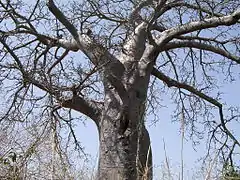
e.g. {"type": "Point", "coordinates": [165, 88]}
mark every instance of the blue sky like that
{"type": "Point", "coordinates": [168, 131]}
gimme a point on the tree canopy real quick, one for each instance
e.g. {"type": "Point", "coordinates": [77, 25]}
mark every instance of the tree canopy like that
{"type": "Point", "coordinates": [57, 57]}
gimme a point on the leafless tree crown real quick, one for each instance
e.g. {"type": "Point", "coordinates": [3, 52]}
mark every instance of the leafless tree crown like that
{"type": "Point", "coordinates": [53, 58]}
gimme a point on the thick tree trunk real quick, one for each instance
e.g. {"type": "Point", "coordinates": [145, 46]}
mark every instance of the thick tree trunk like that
{"type": "Point", "coordinates": [125, 152]}
{"type": "Point", "coordinates": [119, 156]}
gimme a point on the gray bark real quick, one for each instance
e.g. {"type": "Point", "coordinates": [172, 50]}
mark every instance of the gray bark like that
{"type": "Point", "coordinates": [125, 151]}
{"type": "Point", "coordinates": [119, 132]}
{"type": "Point", "coordinates": [124, 141]}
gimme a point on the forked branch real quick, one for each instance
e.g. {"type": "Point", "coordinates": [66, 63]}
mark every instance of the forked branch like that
{"type": "Point", "coordinates": [173, 83]}
{"type": "Point", "coordinates": [90, 108]}
{"type": "Point", "coordinates": [90, 47]}
{"type": "Point", "coordinates": [169, 34]}
{"type": "Point", "coordinates": [199, 45]}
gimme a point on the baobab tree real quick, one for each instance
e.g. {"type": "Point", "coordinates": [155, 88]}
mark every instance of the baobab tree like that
{"type": "Point", "coordinates": [98, 57]}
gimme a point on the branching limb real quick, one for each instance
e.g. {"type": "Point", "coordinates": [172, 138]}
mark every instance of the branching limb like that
{"type": "Point", "coordinates": [34, 9]}
{"type": "Point", "coordinates": [160, 8]}
{"type": "Point", "coordinates": [157, 27]}
{"type": "Point", "coordinates": [195, 7]}
{"type": "Point", "coordinates": [173, 83]}
{"type": "Point", "coordinates": [199, 45]}
{"type": "Point", "coordinates": [60, 16]}
{"type": "Point", "coordinates": [103, 15]}
{"type": "Point", "coordinates": [208, 39]}
{"type": "Point", "coordinates": [163, 7]}
{"type": "Point", "coordinates": [225, 128]}
{"type": "Point", "coordinates": [90, 108]}
{"type": "Point", "coordinates": [95, 51]}
{"type": "Point", "coordinates": [15, 57]}
{"type": "Point", "coordinates": [44, 39]}
{"type": "Point", "coordinates": [135, 45]}
{"type": "Point", "coordinates": [58, 61]}
{"type": "Point", "coordinates": [171, 33]}
{"type": "Point", "coordinates": [135, 14]}
{"type": "Point", "coordinates": [97, 54]}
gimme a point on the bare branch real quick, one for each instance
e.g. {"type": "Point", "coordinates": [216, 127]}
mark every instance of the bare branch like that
{"type": "Point", "coordinates": [135, 45]}
{"type": "Point", "coordinates": [58, 61]}
{"type": "Point", "coordinates": [60, 16]}
{"type": "Point", "coordinates": [199, 45]}
{"type": "Point", "coordinates": [92, 49]}
{"type": "Point", "coordinates": [102, 15]}
{"type": "Point", "coordinates": [15, 57]}
{"type": "Point", "coordinates": [45, 39]}
{"type": "Point", "coordinates": [169, 34]}
{"type": "Point", "coordinates": [208, 39]}
{"type": "Point", "coordinates": [135, 14]}
{"type": "Point", "coordinates": [173, 83]}
{"type": "Point", "coordinates": [34, 9]}
{"type": "Point", "coordinates": [162, 7]}
{"type": "Point", "coordinates": [191, 6]}
{"type": "Point", "coordinates": [90, 108]}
